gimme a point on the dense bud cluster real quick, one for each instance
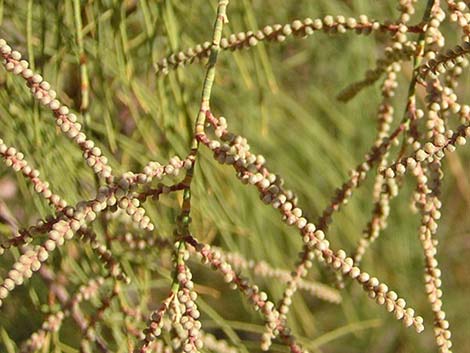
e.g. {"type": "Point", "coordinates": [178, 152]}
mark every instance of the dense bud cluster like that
{"type": "Point", "coordinates": [62, 228]}
{"type": "Point", "coordinates": [32, 260]}
{"type": "Point", "coordinates": [154, 170]}
{"type": "Point", "coordinates": [460, 15]}
{"type": "Point", "coordinates": [131, 207]}
{"type": "Point", "coordinates": [186, 298]}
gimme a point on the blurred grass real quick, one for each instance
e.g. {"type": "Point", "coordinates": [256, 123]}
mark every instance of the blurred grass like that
{"type": "Point", "coordinates": [282, 98]}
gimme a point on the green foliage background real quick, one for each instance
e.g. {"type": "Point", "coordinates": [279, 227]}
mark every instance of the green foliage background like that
{"type": "Point", "coordinates": [282, 98]}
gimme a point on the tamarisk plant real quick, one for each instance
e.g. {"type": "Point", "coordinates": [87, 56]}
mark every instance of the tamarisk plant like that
{"type": "Point", "coordinates": [116, 223]}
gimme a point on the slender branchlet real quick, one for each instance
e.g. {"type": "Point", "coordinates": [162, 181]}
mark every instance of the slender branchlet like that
{"type": "Point", "coordinates": [382, 191]}
{"type": "Point", "coordinates": [444, 61]}
{"type": "Point", "coordinates": [395, 54]}
{"type": "Point", "coordinates": [256, 297]}
{"type": "Point", "coordinates": [16, 161]}
{"type": "Point", "coordinates": [264, 270]}
{"type": "Point", "coordinates": [428, 202]}
{"type": "Point", "coordinates": [66, 120]}
{"type": "Point", "coordinates": [435, 149]}
{"type": "Point", "coordinates": [278, 33]}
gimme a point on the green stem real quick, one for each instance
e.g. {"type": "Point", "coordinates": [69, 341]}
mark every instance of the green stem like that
{"type": "Point", "coordinates": [204, 107]}
{"type": "Point", "coordinates": [210, 73]}
{"type": "Point", "coordinates": [84, 85]}
{"type": "Point", "coordinates": [175, 287]}
{"type": "Point", "coordinates": [184, 220]}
